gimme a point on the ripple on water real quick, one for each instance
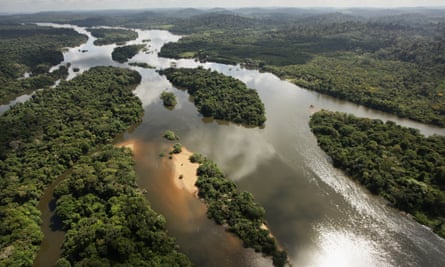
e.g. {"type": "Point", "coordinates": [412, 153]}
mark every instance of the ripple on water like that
{"type": "Point", "coordinates": [339, 247]}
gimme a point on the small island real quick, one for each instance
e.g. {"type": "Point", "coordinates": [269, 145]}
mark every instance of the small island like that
{"type": "Point", "coordinates": [123, 53]}
{"type": "Point", "coordinates": [226, 205]}
{"type": "Point", "coordinates": [219, 96]}
{"type": "Point", "coordinates": [170, 135]}
{"type": "Point", "coordinates": [142, 65]}
{"type": "Point", "coordinates": [110, 36]}
{"type": "Point", "coordinates": [169, 99]}
{"type": "Point", "coordinates": [397, 163]}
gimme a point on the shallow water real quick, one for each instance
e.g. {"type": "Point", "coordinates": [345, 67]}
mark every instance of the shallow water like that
{"type": "Point", "coordinates": [317, 213]}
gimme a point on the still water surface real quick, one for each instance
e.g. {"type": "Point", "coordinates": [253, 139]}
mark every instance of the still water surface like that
{"type": "Point", "coordinates": [317, 213]}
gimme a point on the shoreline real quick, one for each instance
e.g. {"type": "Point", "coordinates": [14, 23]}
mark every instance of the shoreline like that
{"type": "Point", "coordinates": [185, 176]}
{"type": "Point", "coordinates": [182, 178]}
{"type": "Point", "coordinates": [130, 144]}
{"type": "Point", "coordinates": [185, 172]}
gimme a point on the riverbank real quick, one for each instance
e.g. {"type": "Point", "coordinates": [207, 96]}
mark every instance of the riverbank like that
{"type": "Point", "coordinates": [236, 211]}
{"type": "Point", "coordinates": [130, 144]}
{"type": "Point", "coordinates": [185, 172]}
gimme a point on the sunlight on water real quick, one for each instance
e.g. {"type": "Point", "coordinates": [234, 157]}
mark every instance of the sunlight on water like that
{"type": "Point", "coordinates": [345, 249]}
{"type": "Point", "coordinates": [337, 224]}
{"type": "Point", "coordinates": [341, 184]}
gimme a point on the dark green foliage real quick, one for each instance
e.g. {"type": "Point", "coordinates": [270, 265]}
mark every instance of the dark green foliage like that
{"type": "Point", "coordinates": [177, 148]}
{"type": "Point", "coordinates": [219, 96]}
{"type": "Point", "coordinates": [402, 88]}
{"type": "Point", "coordinates": [43, 137]}
{"type": "Point", "coordinates": [197, 158]}
{"type": "Point", "coordinates": [168, 99]}
{"type": "Point", "coordinates": [33, 49]}
{"type": "Point", "coordinates": [142, 65]}
{"type": "Point", "coordinates": [170, 135]}
{"type": "Point", "coordinates": [107, 219]}
{"type": "Point", "coordinates": [62, 262]}
{"type": "Point", "coordinates": [111, 36]}
{"type": "Point", "coordinates": [123, 53]}
{"type": "Point", "coordinates": [236, 210]}
{"type": "Point", "coordinates": [395, 162]}
{"type": "Point", "coordinates": [391, 64]}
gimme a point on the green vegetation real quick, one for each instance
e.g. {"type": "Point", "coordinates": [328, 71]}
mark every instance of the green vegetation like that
{"type": "Point", "coordinates": [391, 60]}
{"type": "Point", "coordinates": [169, 99]}
{"type": "Point", "coordinates": [237, 211]}
{"type": "Point", "coordinates": [107, 220]}
{"type": "Point", "coordinates": [32, 49]}
{"type": "Point", "coordinates": [170, 135]}
{"type": "Point", "coordinates": [219, 96]}
{"type": "Point", "coordinates": [197, 158]}
{"type": "Point", "coordinates": [397, 163]}
{"type": "Point", "coordinates": [141, 64]}
{"type": "Point", "coordinates": [111, 36]}
{"type": "Point", "coordinates": [177, 148]}
{"type": "Point", "coordinates": [123, 53]}
{"type": "Point", "coordinates": [394, 64]}
{"type": "Point", "coordinates": [45, 136]}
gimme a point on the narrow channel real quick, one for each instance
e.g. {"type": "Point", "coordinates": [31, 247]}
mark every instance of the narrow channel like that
{"type": "Point", "coordinates": [317, 213]}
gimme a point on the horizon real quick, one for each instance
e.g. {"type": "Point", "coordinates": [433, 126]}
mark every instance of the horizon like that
{"type": "Point", "coordinates": [33, 6]}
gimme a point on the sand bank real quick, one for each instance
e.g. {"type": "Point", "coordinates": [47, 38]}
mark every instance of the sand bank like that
{"type": "Point", "coordinates": [185, 172]}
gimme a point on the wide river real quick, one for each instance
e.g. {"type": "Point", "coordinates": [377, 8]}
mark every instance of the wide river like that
{"type": "Point", "coordinates": [319, 215]}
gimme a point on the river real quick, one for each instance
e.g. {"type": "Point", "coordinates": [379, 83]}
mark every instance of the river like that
{"type": "Point", "coordinates": [319, 215]}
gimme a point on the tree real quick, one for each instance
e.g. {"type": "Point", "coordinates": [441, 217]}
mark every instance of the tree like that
{"type": "Point", "coordinates": [169, 99]}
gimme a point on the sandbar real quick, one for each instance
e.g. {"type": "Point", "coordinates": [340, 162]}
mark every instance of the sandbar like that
{"type": "Point", "coordinates": [185, 172]}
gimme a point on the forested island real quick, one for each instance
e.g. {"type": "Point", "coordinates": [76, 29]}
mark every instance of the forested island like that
{"type": "Point", "coordinates": [122, 54]}
{"type": "Point", "coordinates": [391, 60]}
{"type": "Point", "coordinates": [108, 222]}
{"type": "Point", "coordinates": [236, 210]}
{"type": "Point", "coordinates": [141, 64]}
{"type": "Point", "coordinates": [398, 163]}
{"type": "Point", "coordinates": [219, 96]}
{"type": "Point", "coordinates": [168, 99]}
{"type": "Point", "coordinates": [48, 134]}
{"type": "Point", "coordinates": [34, 50]}
{"type": "Point", "coordinates": [110, 36]}
{"type": "Point", "coordinates": [390, 63]}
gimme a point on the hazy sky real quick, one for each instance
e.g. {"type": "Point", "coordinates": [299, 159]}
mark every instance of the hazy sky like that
{"type": "Point", "coordinates": [44, 5]}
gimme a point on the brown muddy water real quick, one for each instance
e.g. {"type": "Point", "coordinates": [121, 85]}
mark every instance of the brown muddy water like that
{"type": "Point", "coordinates": [318, 214]}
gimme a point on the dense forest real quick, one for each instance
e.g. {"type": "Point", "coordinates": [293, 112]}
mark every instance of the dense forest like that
{"type": "Point", "coordinates": [391, 60]}
{"type": "Point", "coordinates": [48, 134]}
{"type": "Point", "coordinates": [34, 50]}
{"type": "Point", "coordinates": [236, 210]}
{"type": "Point", "coordinates": [394, 64]}
{"type": "Point", "coordinates": [219, 96]}
{"type": "Point", "coordinates": [398, 163]}
{"type": "Point", "coordinates": [122, 54]}
{"type": "Point", "coordinates": [108, 222]}
{"type": "Point", "coordinates": [112, 36]}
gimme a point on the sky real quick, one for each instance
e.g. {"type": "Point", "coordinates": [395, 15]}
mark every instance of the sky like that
{"type": "Point", "coordinates": [26, 6]}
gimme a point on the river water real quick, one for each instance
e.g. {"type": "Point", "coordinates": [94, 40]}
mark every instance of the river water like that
{"type": "Point", "coordinates": [318, 215]}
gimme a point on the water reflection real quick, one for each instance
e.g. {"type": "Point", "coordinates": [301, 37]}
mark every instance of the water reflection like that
{"type": "Point", "coordinates": [343, 248]}
{"type": "Point", "coordinates": [20, 99]}
{"type": "Point", "coordinates": [318, 214]}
